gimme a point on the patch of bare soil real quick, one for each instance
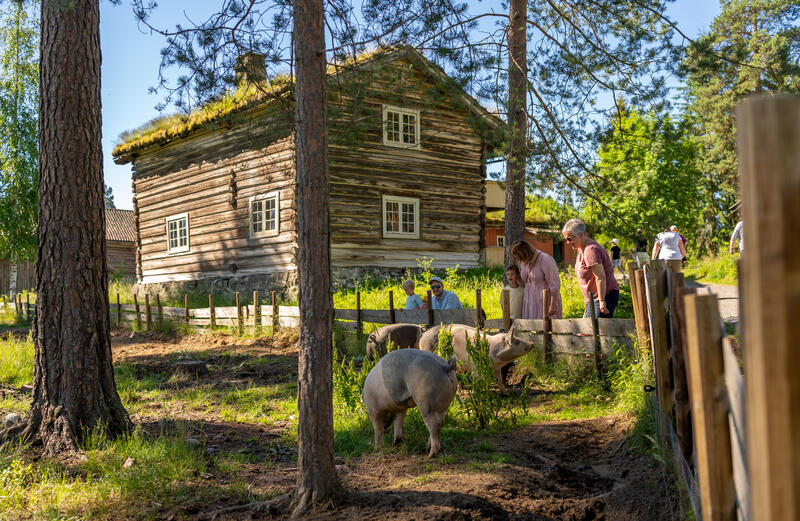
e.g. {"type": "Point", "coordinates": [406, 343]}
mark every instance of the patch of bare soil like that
{"type": "Point", "coordinates": [570, 470]}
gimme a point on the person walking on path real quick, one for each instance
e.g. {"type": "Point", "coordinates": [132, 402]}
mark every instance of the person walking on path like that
{"type": "Point", "coordinates": [669, 247]}
{"type": "Point", "coordinates": [593, 268]}
{"type": "Point", "coordinates": [640, 251]}
{"type": "Point", "coordinates": [616, 261]}
{"type": "Point", "coordinates": [538, 271]}
{"type": "Point", "coordinates": [737, 236]}
{"type": "Point", "coordinates": [441, 298]}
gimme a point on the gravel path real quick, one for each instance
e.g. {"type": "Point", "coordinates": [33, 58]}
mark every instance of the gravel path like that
{"type": "Point", "coordinates": [728, 297]}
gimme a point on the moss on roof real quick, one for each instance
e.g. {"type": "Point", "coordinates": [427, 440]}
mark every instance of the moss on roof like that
{"type": "Point", "coordinates": [166, 128]}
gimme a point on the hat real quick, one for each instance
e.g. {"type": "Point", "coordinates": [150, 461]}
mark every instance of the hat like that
{"type": "Point", "coordinates": [437, 279]}
{"type": "Point", "coordinates": [673, 228]}
{"type": "Point", "coordinates": [613, 241]}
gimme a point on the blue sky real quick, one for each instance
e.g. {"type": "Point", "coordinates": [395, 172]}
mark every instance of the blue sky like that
{"type": "Point", "coordinates": [131, 57]}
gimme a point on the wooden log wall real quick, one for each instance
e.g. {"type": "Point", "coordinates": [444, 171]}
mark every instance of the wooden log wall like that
{"type": "Point", "coordinates": [121, 258]}
{"type": "Point", "coordinates": [219, 216]}
{"type": "Point", "coordinates": [26, 276]}
{"type": "Point", "coordinates": [445, 173]}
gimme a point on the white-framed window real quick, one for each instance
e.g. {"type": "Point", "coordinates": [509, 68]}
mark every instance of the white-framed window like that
{"type": "Point", "coordinates": [400, 127]}
{"type": "Point", "coordinates": [178, 233]}
{"type": "Point", "coordinates": [501, 241]}
{"type": "Point", "coordinates": [400, 217]}
{"type": "Point", "coordinates": [264, 218]}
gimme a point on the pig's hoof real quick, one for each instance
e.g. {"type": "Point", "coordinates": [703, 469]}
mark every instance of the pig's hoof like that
{"type": "Point", "coordinates": [398, 441]}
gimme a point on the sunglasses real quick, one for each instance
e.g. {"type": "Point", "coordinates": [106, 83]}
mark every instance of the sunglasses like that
{"type": "Point", "coordinates": [436, 286]}
{"type": "Point", "coordinates": [569, 239]}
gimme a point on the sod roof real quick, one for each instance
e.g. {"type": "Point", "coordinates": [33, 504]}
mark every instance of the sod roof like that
{"type": "Point", "coordinates": [163, 130]}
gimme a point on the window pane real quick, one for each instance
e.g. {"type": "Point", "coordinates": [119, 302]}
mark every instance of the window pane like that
{"type": "Point", "coordinates": [409, 128]}
{"type": "Point", "coordinates": [392, 126]}
{"type": "Point", "coordinates": [257, 216]}
{"type": "Point", "coordinates": [392, 217]}
{"type": "Point", "coordinates": [408, 218]}
{"type": "Point", "coordinates": [271, 220]}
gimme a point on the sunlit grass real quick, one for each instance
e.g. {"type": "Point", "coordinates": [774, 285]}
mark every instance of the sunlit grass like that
{"type": "Point", "coordinates": [718, 270]}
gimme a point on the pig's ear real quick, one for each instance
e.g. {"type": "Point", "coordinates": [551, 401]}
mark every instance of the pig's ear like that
{"type": "Point", "coordinates": [510, 335]}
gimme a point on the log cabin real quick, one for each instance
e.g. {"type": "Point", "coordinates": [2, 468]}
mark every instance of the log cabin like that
{"type": "Point", "coordinates": [214, 191]}
{"type": "Point", "coordinates": [120, 243]}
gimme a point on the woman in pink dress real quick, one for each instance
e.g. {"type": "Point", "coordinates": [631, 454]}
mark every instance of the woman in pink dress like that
{"type": "Point", "coordinates": [538, 271]}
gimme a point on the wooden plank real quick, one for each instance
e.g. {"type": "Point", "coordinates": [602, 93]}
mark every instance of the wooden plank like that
{"type": "Point", "coordinates": [709, 408]}
{"type": "Point", "coordinates": [583, 345]}
{"type": "Point", "coordinates": [409, 316]}
{"type": "Point", "coordinates": [506, 307]}
{"type": "Point", "coordinates": [661, 352]}
{"type": "Point", "coordinates": [621, 327]}
{"type": "Point", "coordinates": [495, 324]}
{"type": "Point", "coordinates": [581, 326]}
{"type": "Point", "coordinates": [683, 416]}
{"type": "Point", "coordinates": [391, 307]}
{"type": "Point", "coordinates": [769, 164]}
{"type": "Point", "coordinates": [546, 326]}
{"type": "Point", "coordinates": [598, 350]}
{"type": "Point", "coordinates": [643, 304]}
{"type": "Point", "coordinates": [734, 384]}
{"type": "Point", "coordinates": [454, 316]}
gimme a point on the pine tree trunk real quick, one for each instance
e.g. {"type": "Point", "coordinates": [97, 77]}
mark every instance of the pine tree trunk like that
{"type": "Point", "coordinates": [317, 479]}
{"type": "Point", "coordinates": [73, 386]}
{"type": "Point", "coordinates": [517, 126]}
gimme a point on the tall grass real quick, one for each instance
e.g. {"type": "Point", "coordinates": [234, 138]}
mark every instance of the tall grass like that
{"type": "Point", "coordinates": [16, 361]}
{"type": "Point", "coordinates": [719, 270]}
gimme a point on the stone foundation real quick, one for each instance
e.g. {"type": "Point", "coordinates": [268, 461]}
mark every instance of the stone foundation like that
{"type": "Point", "coordinates": [285, 283]}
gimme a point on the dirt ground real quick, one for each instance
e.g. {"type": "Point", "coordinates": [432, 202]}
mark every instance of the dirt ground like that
{"type": "Point", "coordinates": [569, 470]}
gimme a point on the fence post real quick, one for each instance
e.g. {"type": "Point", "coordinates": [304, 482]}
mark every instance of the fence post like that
{"type": "Point", "coordinates": [256, 313]}
{"type": "Point", "coordinates": [391, 307]}
{"type": "Point", "coordinates": [664, 384]}
{"type": "Point", "coordinates": [186, 308]}
{"type": "Point", "coordinates": [160, 309]}
{"type": "Point", "coordinates": [548, 348]}
{"type": "Point", "coordinates": [430, 308]}
{"type": "Point", "coordinates": [635, 300]}
{"type": "Point", "coordinates": [239, 323]}
{"type": "Point", "coordinates": [769, 163]}
{"type": "Point", "coordinates": [119, 312]}
{"type": "Point", "coordinates": [276, 319]}
{"type": "Point", "coordinates": [27, 306]}
{"type": "Point", "coordinates": [358, 317]}
{"type": "Point", "coordinates": [147, 319]}
{"type": "Point", "coordinates": [478, 310]}
{"type": "Point", "coordinates": [506, 305]}
{"type": "Point", "coordinates": [598, 351]}
{"type": "Point", "coordinates": [136, 308]}
{"type": "Point", "coordinates": [5, 304]}
{"type": "Point", "coordinates": [643, 334]}
{"type": "Point", "coordinates": [683, 420]}
{"type": "Point", "coordinates": [709, 408]}
{"type": "Point", "coordinates": [212, 318]}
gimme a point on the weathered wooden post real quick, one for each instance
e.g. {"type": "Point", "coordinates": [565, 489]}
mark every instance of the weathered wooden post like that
{"type": "Point", "coordinates": [147, 318]}
{"type": "Point", "coordinates": [391, 307]}
{"type": "Point", "coordinates": [212, 317]}
{"type": "Point", "coordinates": [598, 351]}
{"type": "Point", "coordinates": [548, 348]}
{"type": "Point", "coordinates": [27, 306]}
{"type": "Point", "coordinates": [683, 409]}
{"type": "Point", "coordinates": [660, 298]}
{"type": "Point", "coordinates": [136, 308]}
{"type": "Point", "coordinates": [478, 310]}
{"type": "Point", "coordinates": [160, 309]}
{"type": "Point", "coordinates": [186, 308]}
{"type": "Point", "coordinates": [769, 163]}
{"type": "Point", "coordinates": [239, 322]}
{"type": "Point", "coordinates": [358, 317]}
{"type": "Point", "coordinates": [256, 313]}
{"type": "Point", "coordinates": [506, 306]}
{"type": "Point", "coordinates": [5, 303]}
{"type": "Point", "coordinates": [119, 312]}
{"type": "Point", "coordinates": [430, 308]}
{"type": "Point", "coordinates": [276, 319]}
{"type": "Point", "coordinates": [643, 334]}
{"type": "Point", "coordinates": [709, 408]}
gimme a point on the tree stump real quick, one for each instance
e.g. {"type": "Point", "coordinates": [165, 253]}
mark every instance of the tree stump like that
{"type": "Point", "coordinates": [190, 369]}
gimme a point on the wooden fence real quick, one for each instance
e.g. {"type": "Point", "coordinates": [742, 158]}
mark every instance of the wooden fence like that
{"type": "Point", "coordinates": [732, 422]}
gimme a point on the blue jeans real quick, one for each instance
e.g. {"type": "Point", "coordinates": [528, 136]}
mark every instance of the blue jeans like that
{"type": "Point", "coordinates": [612, 299]}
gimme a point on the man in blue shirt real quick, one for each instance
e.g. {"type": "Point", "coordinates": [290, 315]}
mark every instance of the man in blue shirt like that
{"type": "Point", "coordinates": [443, 299]}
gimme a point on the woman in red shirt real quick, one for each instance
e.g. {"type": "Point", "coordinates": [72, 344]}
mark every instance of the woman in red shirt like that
{"type": "Point", "coordinates": [594, 270]}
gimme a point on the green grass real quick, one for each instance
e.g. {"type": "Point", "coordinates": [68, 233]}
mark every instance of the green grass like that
{"type": "Point", "coordinates": [717, 270]}
{"type": "Point", "coordinates": [169, 476]}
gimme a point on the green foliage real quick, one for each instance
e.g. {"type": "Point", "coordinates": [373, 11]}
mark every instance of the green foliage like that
{"type": "Point", "coordinates": [753, 46]}
{"type": "Point", "coordinates": [19, 141]}
{"type": "Point", "coordinates": [647, 174]}
{"type": "Point", "coordinates": [348, 379]}
{"type": "Point", "coordinates": [16, 361]}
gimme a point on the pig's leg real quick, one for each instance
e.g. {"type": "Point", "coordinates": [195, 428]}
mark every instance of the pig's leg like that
{"type": "Point", "coordinates": [378, 426]}
{"type": "Point", "coordinates": [498, 375]}
{"type": "Point", "coordinates": [433, 421]}
{"type": "Point", "coordinates": [398, 426]}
